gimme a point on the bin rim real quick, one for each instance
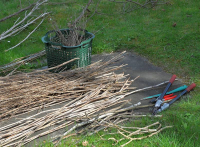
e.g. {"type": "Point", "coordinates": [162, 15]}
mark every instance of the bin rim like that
{"type": "Point", "coordinates": [46, 40]}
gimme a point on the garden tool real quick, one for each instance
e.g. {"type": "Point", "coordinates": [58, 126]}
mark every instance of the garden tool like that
{"type": "Point", "coordinates": [173, 91]}
{"type": "Point", "coordinates": [160, 98]}
{"type": "Point", "coordinates": [166, 105]}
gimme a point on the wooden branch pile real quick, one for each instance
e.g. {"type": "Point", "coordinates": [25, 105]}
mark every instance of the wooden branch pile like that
{"type": "Point", "coordinates": [93, 96]}
{"type": "Point", "coordinates": [23, 91]}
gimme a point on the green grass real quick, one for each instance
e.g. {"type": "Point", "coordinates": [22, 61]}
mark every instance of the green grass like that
{"type": "Point", "coordinates": [148, 32]}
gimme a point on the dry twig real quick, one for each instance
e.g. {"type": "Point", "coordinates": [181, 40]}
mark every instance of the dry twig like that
{"type": "Point", "coordinates": [26, 36]}
{"type": "Point", "coordinates": [7, 17]}
{"type": "Point", "coordinates": [11, 66]}
{"type": "Point", "coordinates": [18, 27]}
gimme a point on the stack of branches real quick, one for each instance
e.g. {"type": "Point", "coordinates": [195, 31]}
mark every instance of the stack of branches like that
{"type": "Point", "coordinates": [22, 92]}
{"type": "Point", "coordinates": [92, 96]}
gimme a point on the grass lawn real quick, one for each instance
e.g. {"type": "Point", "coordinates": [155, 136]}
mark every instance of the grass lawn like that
{"type": "Point", "coordinates": [148, 32]}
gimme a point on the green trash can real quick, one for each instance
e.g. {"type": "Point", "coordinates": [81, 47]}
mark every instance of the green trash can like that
{"type": "Point", "coordinates": [57, 53]}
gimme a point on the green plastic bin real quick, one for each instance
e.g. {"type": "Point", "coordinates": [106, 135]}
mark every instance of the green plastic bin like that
{"type": "Point", "coordinates": [57, 53]}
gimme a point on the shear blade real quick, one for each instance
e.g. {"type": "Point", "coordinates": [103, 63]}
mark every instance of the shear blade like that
{"type": "Point", "coordinates": [155, 111]}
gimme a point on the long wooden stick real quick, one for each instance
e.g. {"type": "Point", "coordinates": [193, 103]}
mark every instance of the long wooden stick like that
{"type": "Point", "coordinates": [24, 9]}
{"type": "Point", "coordinates": [26, 36]}
{"type": "Point", "coordinates": [15, 28]}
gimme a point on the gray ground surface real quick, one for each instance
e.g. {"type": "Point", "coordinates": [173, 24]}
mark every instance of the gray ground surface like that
{"type": "Point", "coordinates": [149, 75]}
{"type": "Point", "coordinates": [137, 66]}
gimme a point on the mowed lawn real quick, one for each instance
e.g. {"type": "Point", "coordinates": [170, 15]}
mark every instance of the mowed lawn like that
{"type": "Point", "coordinates": [168, 35]}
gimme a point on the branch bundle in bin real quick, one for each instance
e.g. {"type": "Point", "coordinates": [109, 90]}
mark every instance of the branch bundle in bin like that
{"type": "Point", "coordinates": [75, 34]}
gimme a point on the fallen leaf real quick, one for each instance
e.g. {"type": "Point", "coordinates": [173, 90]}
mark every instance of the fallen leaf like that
{"type": "Point", "coordinates": [174, 25]}
{"type": "Point", "coordinates": [85, 143]}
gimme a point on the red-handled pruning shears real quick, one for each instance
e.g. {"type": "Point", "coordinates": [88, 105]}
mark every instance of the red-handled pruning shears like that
{"type": "Point", "coordinates": [166, 105]}
{"type": "Point", "coordinates": [158, 107]}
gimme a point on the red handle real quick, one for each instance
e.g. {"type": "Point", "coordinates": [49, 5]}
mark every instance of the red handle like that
{"type": "Point", "coordinates": [172, 79]}
{"type": "Point", "coordinates": [169, 98]}
{"type": "Point", "coordinates": [169, 95]}
{"type": "Point", "coordinates": [191, 87]}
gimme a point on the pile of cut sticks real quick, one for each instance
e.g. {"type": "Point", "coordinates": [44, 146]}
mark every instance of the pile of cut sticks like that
{"type": "Point", "coordinates": [92, 94]}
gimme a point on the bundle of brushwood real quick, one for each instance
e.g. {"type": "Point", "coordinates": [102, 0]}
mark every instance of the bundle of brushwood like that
{"type": "Point", "coordinates": [30, 91]}
{"type": "Point", "coordinates": [92, 96]}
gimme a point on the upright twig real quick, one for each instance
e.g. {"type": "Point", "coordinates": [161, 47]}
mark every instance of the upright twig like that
{"type": "Point", "coordinates": [82, 14]}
